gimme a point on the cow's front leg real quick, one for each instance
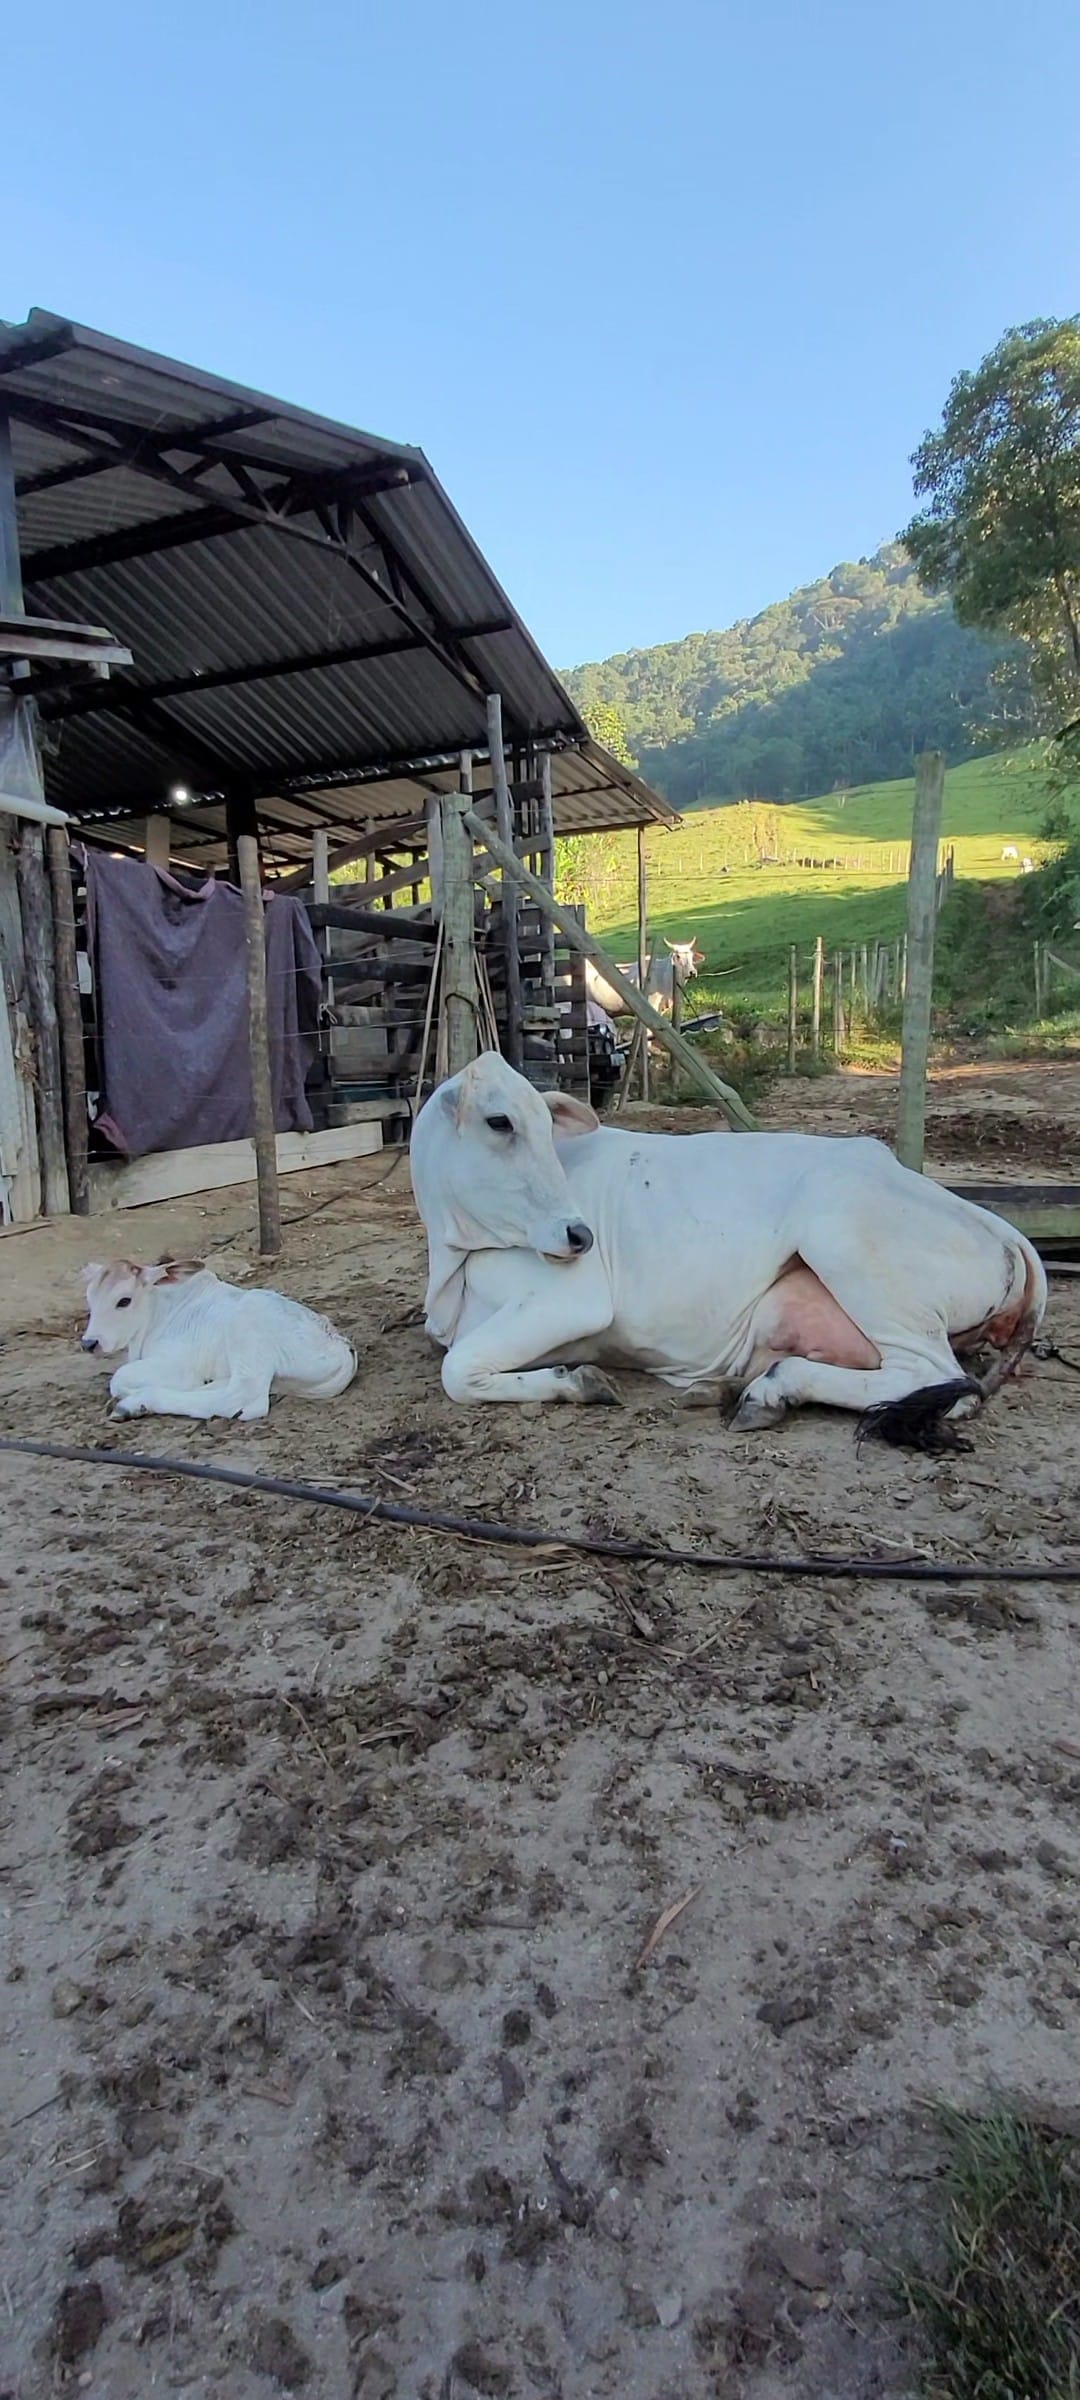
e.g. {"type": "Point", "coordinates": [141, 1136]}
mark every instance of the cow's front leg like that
{"type": "Point", "coordinates": [492, 1362]}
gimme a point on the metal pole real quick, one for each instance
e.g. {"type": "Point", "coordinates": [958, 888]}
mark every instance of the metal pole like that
{"type": "Point", "coordinates": [918, 995]}
{"type": "Point", "coordinates": [262, 1091]}
{"type": "Point", "coordinates": [504, 819]}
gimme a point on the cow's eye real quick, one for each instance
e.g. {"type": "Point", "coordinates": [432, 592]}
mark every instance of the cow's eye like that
{"type": "Point", "coordinates": [124, 1303]}
{"type": "Point", "coordinates": [501, 1124]}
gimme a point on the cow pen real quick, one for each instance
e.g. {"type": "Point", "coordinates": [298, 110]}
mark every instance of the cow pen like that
{"type": "Point", "coordinates": [435, 1963]}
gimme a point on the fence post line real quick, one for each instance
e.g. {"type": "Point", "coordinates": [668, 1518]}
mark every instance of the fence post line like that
{"type": "Point", "coordinates": [919, 959]}
{"type": "Point", "coordinates": [792, 1006]}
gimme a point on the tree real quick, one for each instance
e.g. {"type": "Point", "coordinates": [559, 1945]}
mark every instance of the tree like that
{"type": "Point", "coordinates": [606, 726]}
{"type": "Point", "coordinates": [1001, 478]}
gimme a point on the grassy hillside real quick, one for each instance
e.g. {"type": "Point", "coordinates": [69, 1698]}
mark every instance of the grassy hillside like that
{"type": "Point", "coordinates": [844, 681]}
{"type": "Point", "coordinates": [745, 920]}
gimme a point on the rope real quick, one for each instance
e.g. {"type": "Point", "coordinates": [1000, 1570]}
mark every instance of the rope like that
{"type": "Point", "coordinates": [527, 1537]}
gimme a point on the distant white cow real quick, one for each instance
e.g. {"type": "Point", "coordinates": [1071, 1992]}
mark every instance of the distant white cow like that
{"type": "Point", "coordinates": [792, 1267]}
{"type": "Point", "coordinates": [197, 1347]}
{"type": "Point", "coordinates": [664, 974]}
{"type": "Point", "coordinates": [1010, 850]}
{"type": "Point", "coordinates": [1027, 866]}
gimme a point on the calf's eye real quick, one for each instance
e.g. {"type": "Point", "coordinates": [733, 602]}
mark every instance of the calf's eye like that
{"type": "Point", "coordinates": [501, 1124]}
{"type": "Point", "coordinates": [124, 1303]}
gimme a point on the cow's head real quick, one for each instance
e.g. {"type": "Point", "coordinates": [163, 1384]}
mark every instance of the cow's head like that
{"type": "Point", "coordinates": [119, 1298]}
{"type": "Point", "coordinates": [686, 958]}
{"type": "Point", "coordinates": [485, 1169]}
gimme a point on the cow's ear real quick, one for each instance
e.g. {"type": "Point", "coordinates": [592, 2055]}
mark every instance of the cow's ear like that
{"type": "Point", "coordinates": [450, 1099]}
{"type": "Point", "coordinates": [159, 1272]}
{"type": "Point", "coordinates": [90, 1273]}
{"type": "Point", "coordinates": [569, 1116]}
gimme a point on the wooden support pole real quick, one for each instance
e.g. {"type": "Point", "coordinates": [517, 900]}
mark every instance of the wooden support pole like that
{"type": "Point", "coordinates": [918, 994]}
{"type": "Point", "coordinates": [819, 978]}
{"type": "Point", "coordinates": [838, 1003]}
{"type": "Point", "coordinates": [792, 1006]}
{"type": "Point", "coordinates": [320, 888]}
{"type": "Point", "coordinates": [157, 841]}
{"type": "Point", "coordinates": [504, 819]}
{"type": "Point", "coordinates": [262, 1092]}
{"type": "Point", "coordinates": [39, 956]}
{"type": "Point", "coordinates": [460, 993]}
{"type": "Point", "coordinates": [864, 977]}
{"type": "Point", "coordinates": [69, 1015]}
{"type": "Point", "coordinates": [1040, 990]}
{"type": "Point", "coordinates": [547, 866]}
{"type": "Point", "coordinates": [643, 943]}
{"type": "Point", "coordinates": [577, 939]}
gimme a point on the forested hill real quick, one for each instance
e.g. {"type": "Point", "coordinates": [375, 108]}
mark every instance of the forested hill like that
{"type": "Point", "coordinates": [844, 682]}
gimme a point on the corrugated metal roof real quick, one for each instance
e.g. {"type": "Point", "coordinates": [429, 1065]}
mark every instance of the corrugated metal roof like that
{"type": "Point", "coordinates": [303, 604]}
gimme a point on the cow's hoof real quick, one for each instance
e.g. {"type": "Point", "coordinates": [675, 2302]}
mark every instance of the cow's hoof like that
{"type": "Point", "coordinates": [121, 1410]}
{"type": "Point", "coordinates": [596, 1390]}
{"type": "Point", "coordinates": [756, 1415]}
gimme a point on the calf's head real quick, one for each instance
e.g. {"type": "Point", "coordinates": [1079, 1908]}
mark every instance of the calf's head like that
{"type": "Point", "coordinates": [485, 1169]}
{"type": "Point", "coordinates": [119, 1300]}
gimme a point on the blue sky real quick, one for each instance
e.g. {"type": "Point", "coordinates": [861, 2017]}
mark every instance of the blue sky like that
{"type": "Point", "coordinates": [666, 293]}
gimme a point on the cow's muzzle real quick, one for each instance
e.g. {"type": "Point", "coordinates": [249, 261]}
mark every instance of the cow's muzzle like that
{"type": "Point", "coordinates": [569, 1241]}
{"type": "Point", "coordinates": [88, 1343]}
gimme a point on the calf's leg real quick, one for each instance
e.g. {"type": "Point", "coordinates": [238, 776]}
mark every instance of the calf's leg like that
{"type": "Point", "coordinates": [240, 1396]}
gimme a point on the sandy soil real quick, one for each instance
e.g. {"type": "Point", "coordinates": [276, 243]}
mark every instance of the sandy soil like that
{"type": "Point", "coordinates": [329, 1853]}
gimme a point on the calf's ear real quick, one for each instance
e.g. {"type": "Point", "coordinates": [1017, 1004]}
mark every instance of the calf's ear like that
{"type": "Point", "coordinates": [569, 1116]}
{"type": "Point", "coordinates": [90, 1273]}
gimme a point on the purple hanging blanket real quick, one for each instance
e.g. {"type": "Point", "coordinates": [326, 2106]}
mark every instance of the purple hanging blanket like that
{"type": "Point", "coordinates": [171, 988]}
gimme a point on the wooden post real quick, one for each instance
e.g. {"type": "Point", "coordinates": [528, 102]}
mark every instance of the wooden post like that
{"type": "Point", "coordinates": [547, 864]}
{"type": "Point", "coordinates": [792, 1006]}
{"type": "Point", "coordinates": [918, 995]}
{"type": "Point", "coordinates": [864, 976]}
{"type": "Point", "coordinates": [262, 1092]}
{"type": "Point", "coordinates": [838, 1003]}
{"type": "Point", "coordinates": [157, 841]}
{"type": "Point", "coordinates": [819, 978]}
{"type": "Point", "coordinates": [1040, 983]}
{"type": "Point", "coordinates": [39, 957]}
{"type": "Point", "coordinates": [643, 945]}
{"type": "Point", "coordinates": [577, 939]}
{"type": "Point", "coordinates": [504, 819]}
{"type": "Point", "coordinates": [69, 1014]}
{"type": "Point", "coordinates": [459, 986]}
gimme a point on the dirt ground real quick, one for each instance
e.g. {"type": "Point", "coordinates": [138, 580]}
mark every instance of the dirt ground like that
{"type": "Point", "coordinates": [330, 2062]}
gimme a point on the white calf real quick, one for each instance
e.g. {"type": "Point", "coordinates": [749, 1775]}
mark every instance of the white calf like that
{"type": "Point", "coordinates": [197, 1347]}
{"type": "Point", "coordinates": [1010, 851]}
{"type": "Point", "coordinates": [1027, 866]}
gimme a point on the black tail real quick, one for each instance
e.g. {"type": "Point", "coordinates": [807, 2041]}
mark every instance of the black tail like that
{"type": "Point", "coordinates": [921, 1420]}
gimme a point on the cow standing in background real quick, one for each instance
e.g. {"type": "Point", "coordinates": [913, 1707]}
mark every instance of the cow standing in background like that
{"type": "Point", "coordinates": [663, 976]}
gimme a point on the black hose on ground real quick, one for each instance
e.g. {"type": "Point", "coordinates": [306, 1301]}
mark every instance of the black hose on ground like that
{"type": "Point", "coordinates": [527, 1537]}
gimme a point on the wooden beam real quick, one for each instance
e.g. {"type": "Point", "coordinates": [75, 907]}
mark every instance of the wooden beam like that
{"type": "Point", "coordinates": [69, 1014]}
{"type": "Point", "coordinates": [504, 818]}
{"type": "Point", "coordinates": [460, 994]}
{"type": "Point", "coordinates": [390, 924]}
{"type": "Point", "coordinates": [39, 956]}
{"type": "Point", "coordinates": [919, 958]}
{"type": "Point", "coordinates": [262, 1094]}
{"type": "Point", "coordinates": [643, 947]}
{"type": "Point", "coordinates": [576, 938]}
{"type": "Point", "coordinates": [172, 1174]}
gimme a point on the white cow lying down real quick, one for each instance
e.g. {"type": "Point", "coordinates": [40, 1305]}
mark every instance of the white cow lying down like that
{"type": "Point", "coordinates": [197, 1347]}
{"type": "Point", "coordinates": [791, 1266]}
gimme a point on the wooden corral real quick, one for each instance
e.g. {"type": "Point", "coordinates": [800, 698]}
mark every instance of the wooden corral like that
{"type": "Point", "coordinates": [218, 534]}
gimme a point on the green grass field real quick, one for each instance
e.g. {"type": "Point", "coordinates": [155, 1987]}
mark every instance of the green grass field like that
{"type": "Point", "coordinates": [746, 920]}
